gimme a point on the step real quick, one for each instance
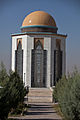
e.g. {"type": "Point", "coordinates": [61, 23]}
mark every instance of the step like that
{"type": "Point", "coordinates": [39, 95]}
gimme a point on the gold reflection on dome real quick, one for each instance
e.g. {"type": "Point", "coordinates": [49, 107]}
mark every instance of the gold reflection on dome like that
{"type": "Point", "coordinates": [39, 18]}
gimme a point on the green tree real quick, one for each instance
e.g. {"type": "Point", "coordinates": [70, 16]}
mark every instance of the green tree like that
{"type": "Point", "coordinates": [67, 92]}
{"type": "Point", "coordinates": [17, 90]}
{"type": "Point", "coordinates": [3, 74]}
{"type": "Point", "coordinates": [11, 94]}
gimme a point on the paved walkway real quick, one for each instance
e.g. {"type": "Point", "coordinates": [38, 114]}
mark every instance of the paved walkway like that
{"type": "Point", "coordinates": [41, 111]}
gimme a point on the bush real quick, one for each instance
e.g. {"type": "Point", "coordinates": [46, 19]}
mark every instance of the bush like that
{"type": "Point", "coordinates": [67, 93]}
{"type": "Point", "coordinates": [17, 90]}
{"type": "Point", "coordinates": [20, 109]}
{"type": "Point", "coordinates": [11, 94]}
{"type": "Point", "coordinates": [58, 90]}
{"type": "Point", "coordinates": [4, 77]}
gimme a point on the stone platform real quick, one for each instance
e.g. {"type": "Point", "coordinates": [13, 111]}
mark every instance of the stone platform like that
{"type": "Point", "coordinates": [39, 95]}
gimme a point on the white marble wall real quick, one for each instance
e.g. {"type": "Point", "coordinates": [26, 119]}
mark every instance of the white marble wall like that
{"type": "Point", "coordinates": [24, 47]}
{"type": "Point", "coordinates": [53, 47]}
{"type": "Point", "coordinates": [28, 45]}
{"type": "Point", "coordinates": [47, 46]}
{"type": "Point", "coordinates": [63, 48]}
{"type": "Point", "coordinates": [14, 47]}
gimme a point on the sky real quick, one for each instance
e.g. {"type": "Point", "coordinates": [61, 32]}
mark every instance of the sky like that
{"type": "Point", "coordinates": [65, 12]}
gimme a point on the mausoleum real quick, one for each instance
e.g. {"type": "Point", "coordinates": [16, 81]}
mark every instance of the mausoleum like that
{"type": "Point", "coordinates": [39, 51]}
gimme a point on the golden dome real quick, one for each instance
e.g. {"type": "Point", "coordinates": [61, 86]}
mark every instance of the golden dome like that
{"type": "Point", "coordinates": [40, 18]}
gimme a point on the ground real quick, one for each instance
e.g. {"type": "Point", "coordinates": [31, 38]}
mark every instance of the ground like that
{"type": "Point", "coordinates": [40, 111]}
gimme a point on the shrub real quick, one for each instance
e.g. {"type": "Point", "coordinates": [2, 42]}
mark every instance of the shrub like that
{"type": "Point", "coordinates": [67, 93]}
{"type": "Point", "coordinates": [17, 90]}
{"type": "Point", "coordinates": [11, 94]}
{"type": "Point", "coordinates": [19, 109]}
{"type": "Point", "coordinates": [4, 77]}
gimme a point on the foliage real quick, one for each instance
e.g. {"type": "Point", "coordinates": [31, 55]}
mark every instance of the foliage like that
{"type": "Point", "coordinates": [58, 110]}
{"type": "Point", "coordinates": [11, 94]}
{"type": "Point", "coordinates": [3, 75]}
{"type": "Point", "coordinates": [58, 90]}
{"type": "Point", "coordinates": [67, 93]}
{"type": "Point", "coordinates": [17, 90]}
{"type": "Point", "coordinates": [20, 109]}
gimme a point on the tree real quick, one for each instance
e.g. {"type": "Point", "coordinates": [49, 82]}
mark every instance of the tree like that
{"type": "Point", "coordinates": [11, 94]}
{"type": "Point", "coordinates": [68, 95]}
{"type": "Point", "coordinates": [4, 104]}
{"type": "Point", "coordinates": [3, 74]}
{"type": "Point", "coordinates": [17, 90]}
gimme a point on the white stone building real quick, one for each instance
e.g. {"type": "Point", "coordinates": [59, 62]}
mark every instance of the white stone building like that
{"type": "Point", "coordinates": [39, 52]}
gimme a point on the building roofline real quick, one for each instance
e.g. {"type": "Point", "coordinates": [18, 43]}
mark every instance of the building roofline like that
{"type": "Point", "coordinates": [38, 33]}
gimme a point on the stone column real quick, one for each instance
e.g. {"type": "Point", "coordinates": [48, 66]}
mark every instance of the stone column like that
{"type": "Point", "coordinates": [24, 47]}
{"type": "Point", "coordinates": [63, 48]}
{"type": "Point", "coordinates": [14, 47]}
{"type": "Point", "coordinates": [47, 46]}
{"type": "Point", "coordinates": [30, 45]}
{"type": "Point", "coordinates": [53, 47]}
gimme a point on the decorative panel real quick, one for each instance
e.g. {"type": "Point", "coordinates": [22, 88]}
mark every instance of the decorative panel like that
{"type": "Point", "coordinates": [38, 72]}
{"type": "Point", "coordinates": [19, 59]}
{"type": "Point", "coordinates": [57, 65]}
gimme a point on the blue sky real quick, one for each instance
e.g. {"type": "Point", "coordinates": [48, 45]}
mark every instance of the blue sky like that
{"type": "Point", "coordinates": [65, 12]}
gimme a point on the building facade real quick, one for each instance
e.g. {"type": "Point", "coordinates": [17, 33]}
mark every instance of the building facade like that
{"type": "Point", "coordinates": [39, 52]}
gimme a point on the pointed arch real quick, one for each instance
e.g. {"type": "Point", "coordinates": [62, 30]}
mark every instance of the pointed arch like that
{"type": "Point", "coordinates": [38, 65]}
{"type": "Point", "coordinates": [19, 59]}
{"type": "Point", "coordinates": [38, 45]}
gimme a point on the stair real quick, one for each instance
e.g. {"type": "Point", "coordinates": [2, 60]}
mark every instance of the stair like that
{"type": "Point", "coordinates": [39, 95]}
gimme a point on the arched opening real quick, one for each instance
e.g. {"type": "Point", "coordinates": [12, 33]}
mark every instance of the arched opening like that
{"type": "Point", "coordinates": [57, 62]}
{"type": "Point", "coordinates": [19, 59]}
{"type": "Point", "coordinates": [38, 71]}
